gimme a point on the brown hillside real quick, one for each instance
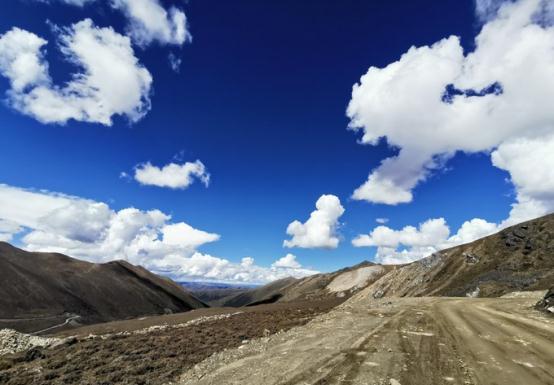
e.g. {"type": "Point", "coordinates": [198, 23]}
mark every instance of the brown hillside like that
{"type": "Point", "coordinates": [520, 257]}
{"type": "Point", "coordinates": [39, 290]}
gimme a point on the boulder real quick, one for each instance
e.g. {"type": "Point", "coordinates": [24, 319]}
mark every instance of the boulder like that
{"type": "Point", "coordinates": [547, 303]}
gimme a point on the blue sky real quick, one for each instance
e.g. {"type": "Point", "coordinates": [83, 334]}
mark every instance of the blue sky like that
{"type": "Point", "coordinates": [260, 98]}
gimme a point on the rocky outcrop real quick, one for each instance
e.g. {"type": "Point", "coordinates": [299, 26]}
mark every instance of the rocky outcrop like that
{"type": "Point", "coordinates": [13, 342]}
{"type": "Point", "coordinates": [547, 303]}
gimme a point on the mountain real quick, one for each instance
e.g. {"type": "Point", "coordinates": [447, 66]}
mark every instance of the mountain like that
{"type": "Point", "coordinates": [40, 290]}
{"type": "Point", "coordinates": [212, 292]}
{"type": "Point", "coordinates": [520, 257]}
{"type": "Point", "coordinates": [341, 283]}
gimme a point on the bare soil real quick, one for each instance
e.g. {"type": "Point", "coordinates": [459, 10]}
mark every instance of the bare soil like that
{"type": "Point", "coordinates": [155, 357]}
{"type": "Point", "coordinates": [399, 341]}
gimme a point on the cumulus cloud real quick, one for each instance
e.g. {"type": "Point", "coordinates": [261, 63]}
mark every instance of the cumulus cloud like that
{"type": "Point", "coordinates": [530, 162]}
{"type": "Point", "coordinates": [95, 232]}
{"type": "Point", "coordinates": [487, 9]}
{"type": "Point", "coordinates": [436, 101]}
{"type": "Point", "coordinates": [410, 243]}
{"type": "Point", "coordinates": [182, 234]}
{"type": "Point", "coordinates": [148, 20]}
{"type": "Point", "coordinates": [319, 231]}
{"type": "Point", "coordinates": [381, 221]}
{"type": "Point", "coordinates": [288, 260]}
{"type": "Point", "coordinates": [111, 80]}
{"type": "Point", "coordinates": [173, 175]}
{"type": "Point", "coordinates": [8, 229]}
{"type": "Point", "coordinates": [209, 268]}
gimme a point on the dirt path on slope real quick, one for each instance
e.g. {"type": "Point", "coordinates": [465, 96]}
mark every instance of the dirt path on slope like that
{"type": "Point", "coordinates": [396, 341]}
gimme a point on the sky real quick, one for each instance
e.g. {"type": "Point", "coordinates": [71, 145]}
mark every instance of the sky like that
{"type": "Point", "coordinates": [246, 141]}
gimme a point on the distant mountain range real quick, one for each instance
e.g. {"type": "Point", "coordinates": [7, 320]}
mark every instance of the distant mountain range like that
{"type": "Point", "coordinates": [195, 286]}
{"type": "Point", "coordinates": [41, 290]}
{"type": "Point", "coordinates": [44, 290]}
{"type": "Point", "coordinates": [213, 292]}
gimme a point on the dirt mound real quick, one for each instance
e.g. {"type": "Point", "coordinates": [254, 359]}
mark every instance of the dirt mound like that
{"type": "Point", "coordinates": [41, 290]}
{"type": "Point", "coordinates": [518, 258]}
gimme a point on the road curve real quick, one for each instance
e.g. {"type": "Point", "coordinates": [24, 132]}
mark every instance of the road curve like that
{"type": "Point", "coordinates": [402, 341]}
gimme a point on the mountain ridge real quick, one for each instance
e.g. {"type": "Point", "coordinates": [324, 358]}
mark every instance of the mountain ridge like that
{"type": "Point", "coordinates": [44, 288]}
{"type": "Point", "coordinates": [519, 257]}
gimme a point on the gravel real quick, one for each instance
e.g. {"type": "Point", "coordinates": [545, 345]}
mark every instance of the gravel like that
{"type": "Point", "coordinates": [12, 341]}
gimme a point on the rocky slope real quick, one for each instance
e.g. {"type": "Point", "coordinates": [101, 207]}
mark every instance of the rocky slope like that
{"type": "Point", "coordinates": [41, 290]}
{"type": "Point", "coordinates": [517, 258]}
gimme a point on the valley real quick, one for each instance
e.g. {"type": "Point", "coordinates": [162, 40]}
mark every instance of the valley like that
{"type": "Point", "coordinates": [471, 314]}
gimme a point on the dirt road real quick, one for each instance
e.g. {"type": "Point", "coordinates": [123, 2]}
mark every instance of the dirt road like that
{"type": "Point", "coordinates": [399, 341]}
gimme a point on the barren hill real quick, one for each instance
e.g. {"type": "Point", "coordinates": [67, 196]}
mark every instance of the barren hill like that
{"type": "Point", "coordinates": [520, 257]}
{"type": "Point", "coordinates": [40, 290]}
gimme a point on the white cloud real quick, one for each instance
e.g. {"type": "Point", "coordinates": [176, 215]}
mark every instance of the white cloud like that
{"type": "Point", "coordinates": [381, 221]}
{"type": "Point", "coordinates": [206, 267]}
{"type": "Point", "coordinates": [182, 234]}
{"type": "Point", "coordinates": [470, 231]}
{"type": "Point", "coordinates": [21, 59]}
{"type": "Point", "coordinates": [436, 100]}
{"type": "Point", "coordinates": [410, 243]}
{"type": "Point", "coordinates": [111, 81]}
{"type": "Point", "coordinates": [288, 260]}
{"type": "Point", "coordinates": [487, 10]}
{"type": "Point", "coordinates": [173, 175]}
{"type": "Point", "coordinates": [429, 233]}
{"type": "Point", "coordinates": [8, 229]}
{"type": "Point", "coordinates": [319, 231]}
{"type": "Point", "coordinates": [93, 231]}
{"type": "Point", "coordinates": [530, 163]}
{"type": "Point", "coordinates": [149, 22]}
{"type": "Point", "coordinates": [174, 62]}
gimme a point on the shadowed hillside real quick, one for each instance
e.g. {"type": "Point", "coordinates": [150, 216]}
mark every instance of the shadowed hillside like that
{"type": "Point", "coordinates": [40, 290]}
